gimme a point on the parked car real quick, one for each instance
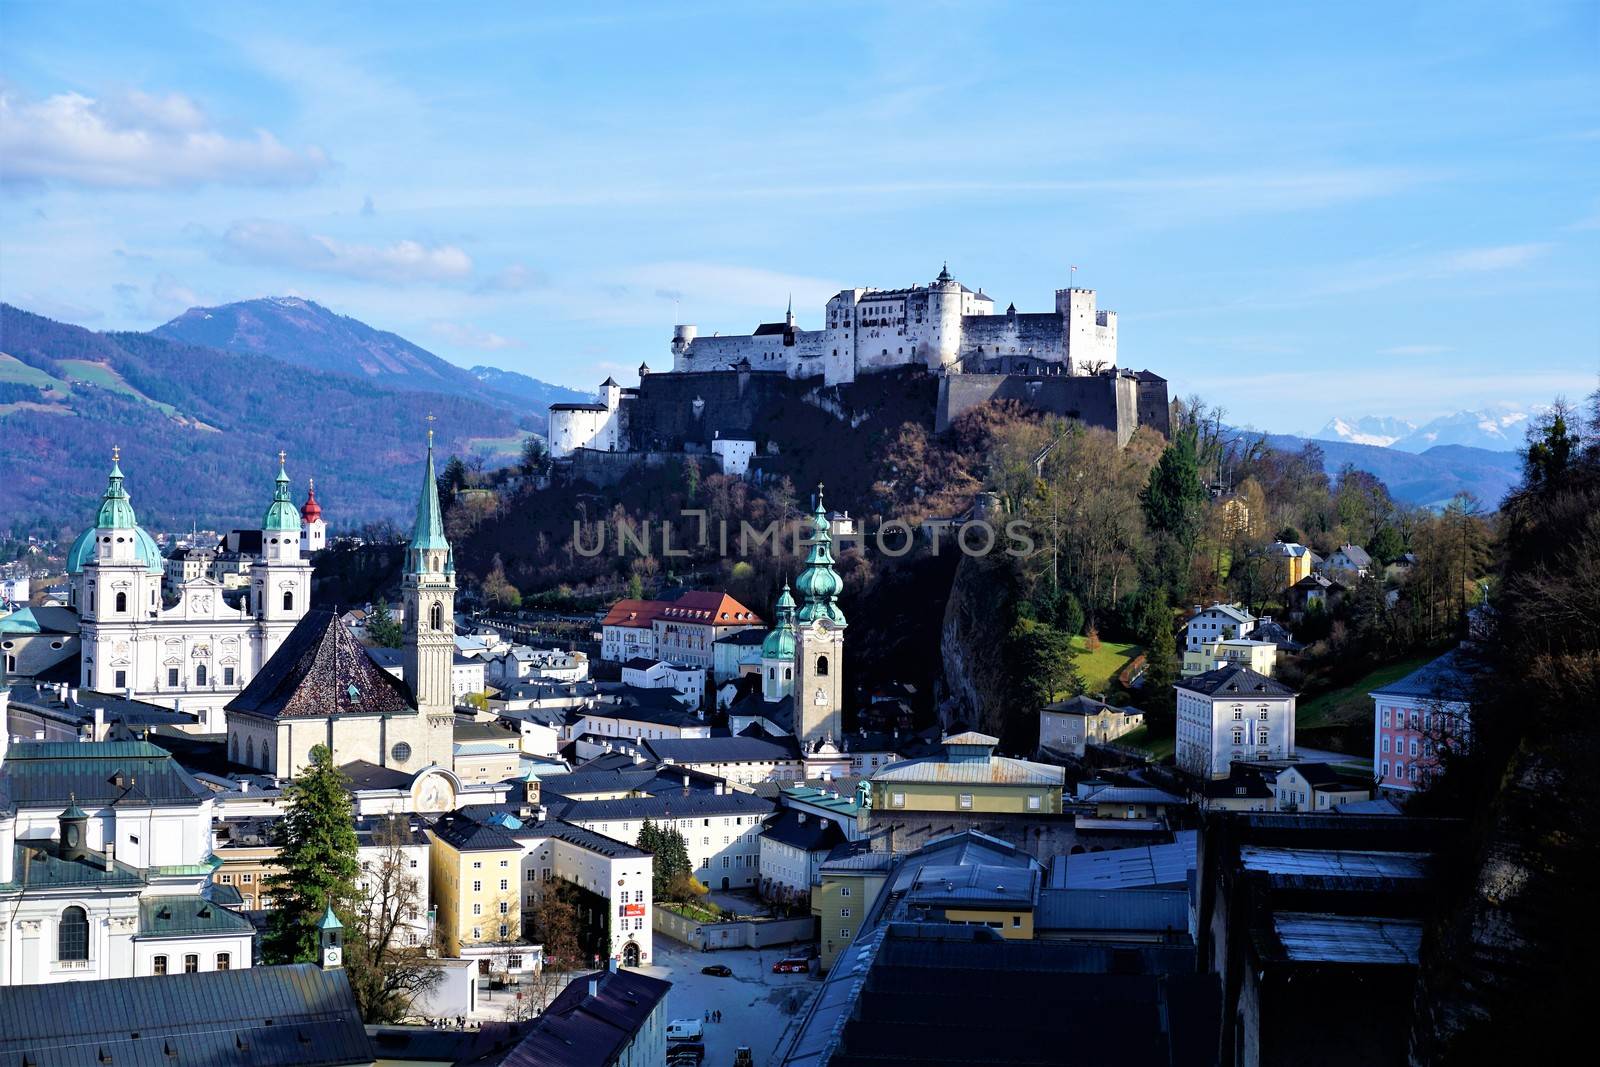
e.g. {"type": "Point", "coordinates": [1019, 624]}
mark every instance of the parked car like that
{"type": "Point", "coordinates": [718, 970]}
{"type": "Point", "coordinates": [792, 965]}
{"type": "Point", "coordinates": [686, 1054]}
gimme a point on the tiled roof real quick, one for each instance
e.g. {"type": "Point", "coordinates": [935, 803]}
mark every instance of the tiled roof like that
{"type": "Point", "coordinates": [188, 917]}
{"type": "Point", "coordinates": [723, 749]}
{"type": "Point", "coordinates": [578, 1029]}
{"type": "Point", "coordinates": [321, 669]}
{"type": "Point", "coordinates": [637, 613]}
{"type": "Point", "coordinates": [1235, 682]}
{"type": "Point", "coordinates": [465, 834]}
{"type": "Point", "coordinates": [808, 833]}
{"type": "Point", "coordinates": [711, 608]}
{"type": "Point", "coordinates": [292, 1016]}
{"type": "Point", "coordinates": [1450, 677]}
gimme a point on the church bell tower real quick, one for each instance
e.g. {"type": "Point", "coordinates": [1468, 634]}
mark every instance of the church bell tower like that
{"type": "Point", "coordinates": [429, 592]}
{"type": "Point", "coordinates": [819, 641]}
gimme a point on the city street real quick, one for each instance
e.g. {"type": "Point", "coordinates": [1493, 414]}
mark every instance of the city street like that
{"type": "Point", "coordinates": [757, 1006]}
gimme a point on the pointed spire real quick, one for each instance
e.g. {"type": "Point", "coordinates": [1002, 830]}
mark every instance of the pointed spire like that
{"type": "Point", "coordinates": [428, 531]}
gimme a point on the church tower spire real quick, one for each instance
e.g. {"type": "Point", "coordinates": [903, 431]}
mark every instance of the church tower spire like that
{"type": "Point", "coordinates": [429, 591]}
{"type": "Point", "coordinates": [819, 640]}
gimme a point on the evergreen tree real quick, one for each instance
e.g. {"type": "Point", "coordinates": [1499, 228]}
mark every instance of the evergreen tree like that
{"type": "Point", "coordinates": [635, 587]}
{"type": "Point", "coordinates": [1160, 666]}
{"type": "Point", "coordinates": [671, 869]}
{"type": "Point", "coordinates": [1388, 544]}
{"type": "Point", "coordinates": [382, 629]}
{"type": "Point", "coordinates": [453, 479]}
{"type": "Point", "coordinates": [1069, 614]}
{"type": "Point", "coordinates": [1174, 496]}
{"type": "Point", "coordinates": [316, 841]}
{"type": "Point", "coordinates": [535, 456]}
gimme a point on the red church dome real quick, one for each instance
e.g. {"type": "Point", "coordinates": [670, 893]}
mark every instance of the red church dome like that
{"type": "Point", "coordinates": [311, 511]}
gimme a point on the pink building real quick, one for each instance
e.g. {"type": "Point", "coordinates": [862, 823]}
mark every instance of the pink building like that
{"type": "Point", "coordinates": [1414, 716]}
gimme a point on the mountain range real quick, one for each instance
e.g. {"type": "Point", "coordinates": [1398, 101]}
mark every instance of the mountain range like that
{"type": "Point", "coordinates": [201, 406]}
{"type": "Point", "coordinates": [1498, 428]}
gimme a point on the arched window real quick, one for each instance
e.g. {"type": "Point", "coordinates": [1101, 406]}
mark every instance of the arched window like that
{"type": "Point", "coordinates": [72, 938]}
{"type": "Point", "coordinates": [822, 666]}
{"type": "Point", "coordinates": [266, 756]}
{"type": "Point", "coordinates": [436, 616]}
{"type": "Point", "coordinates": [233, 748]}
{"type": "Point", "coordinates": [788, 674]}
{"type": "Point", "coordinates": [249, 752]}
{"type": "Point", "coordinates": [122, 602]}
{"type": "Point", "coordinates": [288, 601]}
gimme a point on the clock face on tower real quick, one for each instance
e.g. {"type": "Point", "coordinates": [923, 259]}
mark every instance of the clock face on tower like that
{"type": "Point", "coordinates": [331, 955]}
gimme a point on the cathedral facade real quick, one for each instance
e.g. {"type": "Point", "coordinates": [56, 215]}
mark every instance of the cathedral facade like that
{"type": "Point", "coordinates": [197, 652]}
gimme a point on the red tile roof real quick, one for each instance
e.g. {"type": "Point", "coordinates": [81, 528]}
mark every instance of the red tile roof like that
{"type": "Point", "coordinates": [711, 608]}
{"type": "Point", "coordinates": [634, 612]}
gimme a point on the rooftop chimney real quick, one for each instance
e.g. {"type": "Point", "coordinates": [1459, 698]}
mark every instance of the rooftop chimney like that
{"type": "Point", "coordinates": [594, 987]}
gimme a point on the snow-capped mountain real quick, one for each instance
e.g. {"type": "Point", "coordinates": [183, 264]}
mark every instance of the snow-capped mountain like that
{"type": "Point", "coordinates": [1498, 428]}
{"type": "Point", "coordinates": [1368, 430]}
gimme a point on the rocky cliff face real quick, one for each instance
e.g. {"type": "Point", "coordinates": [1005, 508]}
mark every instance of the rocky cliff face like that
{"type": "Point", "coordinates": [977, 618]}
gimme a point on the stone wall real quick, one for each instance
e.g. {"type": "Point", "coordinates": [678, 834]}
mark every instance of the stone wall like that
{"type": "Point", "coordinates": [695, 408]}
{"type": "Point", "coordinates": [737, 933]}
{"type": "Point", "coordinates": [1110, 402]}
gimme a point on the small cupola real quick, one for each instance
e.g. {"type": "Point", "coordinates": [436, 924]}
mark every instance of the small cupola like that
{"type": "Point", "coordinates": [74, 831]}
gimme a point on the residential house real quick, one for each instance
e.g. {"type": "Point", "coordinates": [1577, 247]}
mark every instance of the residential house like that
{"type": "Point", "coordinates": [1317, 787]}
{"type": "Point", "coordinates": [1350, 559]}
{"type": "Point", "coordinates": [744, 760]}
{"type": "Point", "coordinates": [1232, 714]}
{"type": "Point", "coordinates": [611, 1018]}
{"type": "Point", "coordinates": [1315, 592]}
{"type": "Point", "coordinates": [1260, 656]}
{"type": "Point", "coordinates": [1296, 561]}
{"type": "Point", "coordinates": [688, 628]}
{"type": "Point", "coordinates": [793, 845]}
{"type": "Point", "coordinates": [646, 673]}
{"type": "Point", "coordinates": [1219, 622]}
{"type": "Point", "coordinates": [1067, 726]}
{"type": "Point", "coordinates": [1414, 717]}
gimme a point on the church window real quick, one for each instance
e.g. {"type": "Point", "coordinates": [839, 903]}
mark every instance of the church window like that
{"type": "Point", "coordinates": [122, 601]}
{"type": "Point", "coordinates": [436, 616]}
{"type": "Point", "coordinates": [288, 601]}
{"type": "Point", "coordinates": [266, 756]}
{"type": "Point", "coordinates": [172, 676]}
{"type": "Point", "coordinates": [200, 675]}
{"type": "Point", "coordinates": [401, 752]}
{"type": "Point", "coordinates": [158, 965]}
{"type": "Point", "coordinates": [822, 666]}
{"type": "Point", "coordinates": [72, 939]}
{"type": "Point", "coordinates": [122, 679]}
{"type": "Point", "coordinates": [227, 676]}
{"type": "Point", "coordinates": [250, 751]}
{"type": "Point", "coordinates": [224, 961]}
{"type": "Point", "coordinates": [233, 747]}
{"type": "Point", "coordinates": [191, 963]}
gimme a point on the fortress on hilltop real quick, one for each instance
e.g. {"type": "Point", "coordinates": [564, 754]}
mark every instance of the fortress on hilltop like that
{"type": "Point", "coordinates": [724, 392]}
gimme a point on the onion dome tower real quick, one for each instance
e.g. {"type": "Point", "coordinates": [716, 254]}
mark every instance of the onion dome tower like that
{"type": "Point", "coordinates": [819, 641]}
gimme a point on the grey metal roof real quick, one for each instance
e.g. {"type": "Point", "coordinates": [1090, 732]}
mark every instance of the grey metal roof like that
{"type": "Point", "coordinates": [1113, 910]}
{"type": "Point", "coordinates": [975, 885]}
{"type": "Point", "coordinates": [183, 916]}
{"type": "Point", "coordinates": [808, 833]}
{"type": "Point", "coordinates": [724, 749]}
{"type": "Point", "coordinates": [1130, 794]}
{"type": "Point", "coordinates": [51, 773]}
{"type": "Point", "coordinates": [37, 865]}
{"type": "Point", "coordinates": [292, 1016]}
{"type": "Point", "coordinates": [1348, 938]}
{"type": "Point", "coordinates": [1334, 863]}
{"type": "Point", "coordinates": [1128, 868]}
{"type": "Point", "coordinates": [996, 770]}
{"type": "Point", "coordinates": [696, 803]}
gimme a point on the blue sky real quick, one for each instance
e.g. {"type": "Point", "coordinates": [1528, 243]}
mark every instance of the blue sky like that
{"type": "Point", "coordinates": [1297, 211]}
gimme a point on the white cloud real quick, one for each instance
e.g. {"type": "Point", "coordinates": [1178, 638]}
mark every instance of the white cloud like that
{"type": "Point", "coordinates": [284, 245]}
{"type": "Point", "coordinates": [465, 335]}
{"type": "Point", "coordinates": [137, 141]}
{"type": "Point", "coordinates": [516, 278]}
{"type": "Point", "coordinates": [166, 298]}
{"type": "Point", "coordinates": [1497, 258]}
{"type": "Point", "coordinates": [714, 286]}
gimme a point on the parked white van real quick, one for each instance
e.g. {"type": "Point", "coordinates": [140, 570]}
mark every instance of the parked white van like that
{"type": "Point", "coordinates": [685, 1030]}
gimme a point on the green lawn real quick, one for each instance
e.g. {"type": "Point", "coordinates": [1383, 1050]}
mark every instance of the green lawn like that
{"type": "Point", "coordinates": [13, 369]}
{"type": "Point", "coordinates": [1158, 747]}
{"type": "Point", "coordinates": [107, 378]}
{"type": "Point", "coordinates": [1101, 667]}
{"type": "Point", "coordinates": [1351, 703]}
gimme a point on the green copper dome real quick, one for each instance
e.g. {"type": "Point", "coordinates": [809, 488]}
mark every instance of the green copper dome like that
{"type": "Point", "coordinates": [281, 513]}
{"type": "Point", "coordinates": [116, 513]}
{"type": "Point", "coordinates": [819, 584]}
{"type": "Point", "coordinates": [780, 642]}
{"type": "Point", "coordinates": [116, 510]}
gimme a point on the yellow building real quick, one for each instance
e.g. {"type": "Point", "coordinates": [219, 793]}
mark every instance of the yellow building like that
{"type": "Point", "coordinates": [968, 776]}
{"type": "Point", "coordinates": [1002, 898]}
{"type": "Point", "coordinates": [849, 881]}
{"type": "Point", "coordinates": [475, 877]}
{"type": "Point", "coordinates": [1259, 656]}
{"type": "Point", "coordinates": [1295, 560]}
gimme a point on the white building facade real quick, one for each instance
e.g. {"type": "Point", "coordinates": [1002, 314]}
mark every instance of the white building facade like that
{"type": "Point", "coordinates": [598, 426]}
{"type": "Point", "coordinates": [1232, 714]}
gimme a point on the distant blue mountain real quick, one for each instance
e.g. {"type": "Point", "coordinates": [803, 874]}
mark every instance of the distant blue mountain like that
{"type": "Point", "coordinates": [1430, 477]}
